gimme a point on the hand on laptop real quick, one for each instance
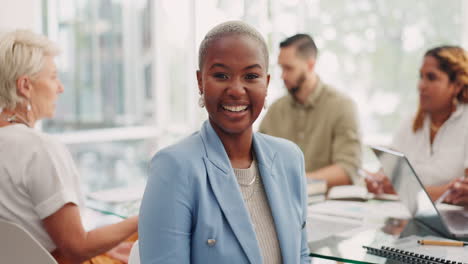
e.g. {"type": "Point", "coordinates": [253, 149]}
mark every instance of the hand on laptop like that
{"type": "Point", "coordinates": [378, 183]}
{"type": "Point", "coordinates": [458, 192]}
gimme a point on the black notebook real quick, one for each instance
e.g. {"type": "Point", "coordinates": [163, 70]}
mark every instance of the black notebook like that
{"type": "Point", "coordinates": [403, 256]}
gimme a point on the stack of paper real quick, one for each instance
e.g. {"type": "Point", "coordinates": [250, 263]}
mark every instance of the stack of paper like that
{"type": "Point", "coordinates": [357, 193]}
{"type": "Point", "coordinates": [316, 190]}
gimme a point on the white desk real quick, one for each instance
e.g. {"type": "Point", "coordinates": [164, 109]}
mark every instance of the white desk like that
{"type": "Point", "coordinates": [337, 230]}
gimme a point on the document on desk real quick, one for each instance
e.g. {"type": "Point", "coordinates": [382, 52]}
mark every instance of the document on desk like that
{"type": "Point", "coordinates": [360, 210]}
{"type": "Point", "coordinates": [348, 209]}
{"type": "Point", "coordinates": [323, 226]}
{"type": "Point", "coordinates": [357, 193]}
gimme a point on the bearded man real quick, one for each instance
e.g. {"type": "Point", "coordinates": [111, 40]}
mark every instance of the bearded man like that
{"type": "Point", "coordinates": [319, 119]}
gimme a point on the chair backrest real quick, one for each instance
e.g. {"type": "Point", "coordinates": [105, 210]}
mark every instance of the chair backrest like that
{"type": "Point", "coordinates": [17, 246]}
{"type": "Point", "coordinates": [134, 257]}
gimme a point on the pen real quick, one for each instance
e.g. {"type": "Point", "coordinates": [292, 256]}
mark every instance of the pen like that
{"type": "Point", "coordinates": [442, 243]}
{"type": "Point", "coordinates": [443, 196]}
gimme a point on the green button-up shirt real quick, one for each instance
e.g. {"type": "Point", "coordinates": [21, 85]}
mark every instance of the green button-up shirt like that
{"type": "Point", "coordinates": [325, 128]}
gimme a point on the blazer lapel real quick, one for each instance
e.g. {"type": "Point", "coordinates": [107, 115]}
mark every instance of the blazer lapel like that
{"type": "Point", "coordinates": [278, 198]}
{"type": "Point", "coordinates": [227, 193]}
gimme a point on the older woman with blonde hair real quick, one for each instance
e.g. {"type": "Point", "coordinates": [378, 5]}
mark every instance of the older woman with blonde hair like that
{"type": "Point", "coordinates": [39, 183]}
{"type": "Point", "coordinates": [436, 139]}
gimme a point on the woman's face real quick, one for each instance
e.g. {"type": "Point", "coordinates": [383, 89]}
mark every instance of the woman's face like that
{"type": "Point", "coordinates": [436, 92]}
{"type": "Point", "coordinates": [233, 80]}
{"type": "Point", "coordinates": [45, 87]}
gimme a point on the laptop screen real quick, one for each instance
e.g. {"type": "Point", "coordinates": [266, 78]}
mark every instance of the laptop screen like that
{"type": "Point", "coordinates": [409, 188]}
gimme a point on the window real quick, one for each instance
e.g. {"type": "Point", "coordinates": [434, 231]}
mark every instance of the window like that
{"type": "Point", "coordinates": [105, 64]}
{"type": "Point", "coordinates": [128, 67]}
{"type": "Point", "coordinates": [107, 114]}
{"type": "Point", "coordinates": [372, 50]}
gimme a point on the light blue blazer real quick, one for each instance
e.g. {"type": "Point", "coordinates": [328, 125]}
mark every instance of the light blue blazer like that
{"type": "Point", "coordinates": [193, 212]}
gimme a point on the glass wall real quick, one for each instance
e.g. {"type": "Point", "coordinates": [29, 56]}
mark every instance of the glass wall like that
{"type": "Point", "coordinates": [128, 67]}
{"type": "Point", "coordinates": [372, 50]}
{"type": "Point", "coordinates": [107, 114]}
{"type": "Point", "coordinates": [105, 65]}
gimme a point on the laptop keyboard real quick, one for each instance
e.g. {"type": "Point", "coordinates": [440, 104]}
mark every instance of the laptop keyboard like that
{"type": "Point", "coordinates": [456, 220]}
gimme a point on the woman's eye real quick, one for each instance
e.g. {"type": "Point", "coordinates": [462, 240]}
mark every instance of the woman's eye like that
{"type": "Point", "coordinates": [220, 76]}
{"type": "Point", "coordinates": [251, 76]}
{"type": "Point", "coordinates": [431, 77]}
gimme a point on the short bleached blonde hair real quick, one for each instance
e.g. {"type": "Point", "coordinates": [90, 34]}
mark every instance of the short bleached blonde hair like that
{"type": "Point", "coordinates": [227, 29]}
{"type": "Point", "coordinates": [22, 52]}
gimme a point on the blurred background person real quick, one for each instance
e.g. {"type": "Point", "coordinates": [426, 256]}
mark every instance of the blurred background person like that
{"type": "Point", "coordinates": [39, 183]}
{"type": "Point", "coordinates": [436, 139]}
{"type": "Point", "coordinates": [321, 120]}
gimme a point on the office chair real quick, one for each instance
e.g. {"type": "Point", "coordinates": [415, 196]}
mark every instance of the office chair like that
{"type": "Point", "coordinates": [134, 257]}
{"type": "Point", "coordinates": [18, 246]}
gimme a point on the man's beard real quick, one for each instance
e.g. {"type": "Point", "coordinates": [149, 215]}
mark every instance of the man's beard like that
{"type": "Point", "coordinates": [300, 81]}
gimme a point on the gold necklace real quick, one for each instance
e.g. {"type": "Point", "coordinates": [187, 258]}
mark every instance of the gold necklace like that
{"type": "Point", "coordinates": [250, 183]}
{"type": "Point", "coordinates": [435, 128]}
{"type": "Point", "coordinates": [253, 188]}
{"type": "Point", "coordinates": [16, 118]}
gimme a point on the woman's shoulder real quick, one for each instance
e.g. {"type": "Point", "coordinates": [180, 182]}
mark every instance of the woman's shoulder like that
{"type": "Point", "coordinates": [183, 151]}
{"type": "Point", "coordinates": [180, 162]}
{"type": "Point", "coordinates": [285, 156]}
{"type": "Point", "coordinates": [464, 110]}
{"type": "Point", "coordinates": [29, 148]}
{"type": "Point", "coordinates": [27, 138]}
{"type": "Point", "coordinates": [407, 123]}
{"type": "Point", "coordinates": [279, 145]}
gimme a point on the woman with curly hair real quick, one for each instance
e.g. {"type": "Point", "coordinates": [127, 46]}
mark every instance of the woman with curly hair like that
{"type": "Point", "coordinates": [436, 139]}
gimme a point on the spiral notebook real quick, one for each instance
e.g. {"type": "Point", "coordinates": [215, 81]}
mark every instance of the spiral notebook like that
{"type": "Point", "coordinates": [409, 257]}
{"type": "Point", "coordinates": [407, 250]}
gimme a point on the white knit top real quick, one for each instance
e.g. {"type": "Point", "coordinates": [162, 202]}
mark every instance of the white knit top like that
{"type": "Point", "coordinates": [256, 201]}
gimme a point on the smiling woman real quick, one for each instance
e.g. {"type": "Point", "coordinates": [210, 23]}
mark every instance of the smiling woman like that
{"type": "Point", "coordinates": [233, 82]}
{"type": "Point", "coordinates": [226, 194]}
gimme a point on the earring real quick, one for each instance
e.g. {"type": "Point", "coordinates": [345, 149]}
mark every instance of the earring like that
{"type": "Point", "coordinates": [28, 107]}
{"type": "Point", "coordinates": [201, 101]}
{"type": "Point", "coordinates": [455, 101]}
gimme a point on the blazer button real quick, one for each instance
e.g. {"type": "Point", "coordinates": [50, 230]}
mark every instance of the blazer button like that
{"type": "Point", "coordinates": [211, 242]}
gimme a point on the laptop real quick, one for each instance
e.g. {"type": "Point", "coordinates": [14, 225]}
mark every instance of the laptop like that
{"type": "Point", "coordinates": [450, 221]}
